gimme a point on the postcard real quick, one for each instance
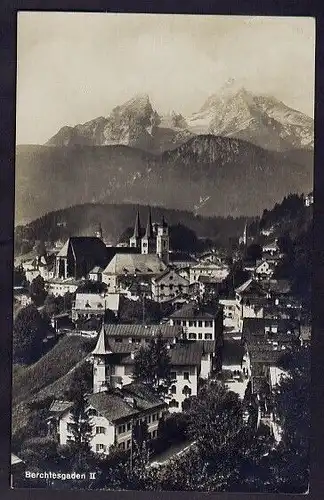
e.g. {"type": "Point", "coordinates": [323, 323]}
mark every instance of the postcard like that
{"type": "Point", "coordinates": [163, 252]}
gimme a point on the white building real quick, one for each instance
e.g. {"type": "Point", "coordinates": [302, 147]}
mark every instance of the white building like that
{"type": "Point", "coordinates": [168, 285]}
{"type": "Point", "coordinates": [113, 415]}
{"type": "Point", "coordinates": [198, 323]}
{"type": "Point", "coordinates": [113, 363]}
{"type": "Point", "coordinates": [87, 305]}
{"type": "Point", "coordinates": [229, 313]}
{"type": "Point", "coordinates": [271, 247]}
{"type": "Point", "coordinates": [264, 269]}
{"type": "Point", "coordinates": [218, 271]}
{"type": "Point", "coordinates": [59, 287]}
{"type": "Point", "coordinates": [128, 266]}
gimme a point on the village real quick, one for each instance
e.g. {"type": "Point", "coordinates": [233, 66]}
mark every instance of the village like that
{"type": "Point", "coordinates": [212, 328]}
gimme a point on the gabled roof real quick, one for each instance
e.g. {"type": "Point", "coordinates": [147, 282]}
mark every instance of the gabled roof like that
{"type": "Point", "coordinates": [181, 257]}
{"type": "Point", "coordinates": [128, 264]}
{"type": "Point", "coordinates": [251, 288]}
{"type": "Point", "coordinates": [86, 247]}
{"type": "Point", "coordinates": [145, 398]}
{"type": "Point", "coordinates": [232, 352]}
{"type": "Point", "coordinates": [254, 330]}
{"type": "Point", "coordinates": [96, 269]}
{"type": "Point", "coordinates": [142, 331]}
{"type": "Point", "coordinates": [193, 311]}
{"type": "Point", "coordinates": [170, 271]}
{"type": "Point", "coordinates": [186, 354]}
{"type": "Point", "coordinates": [277, 286]}
{"type": "Point", "coordinates": [59, 406]}
{"type": "Point", "coordinates": [111, 406]}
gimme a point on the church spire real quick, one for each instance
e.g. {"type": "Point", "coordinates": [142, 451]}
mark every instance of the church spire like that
{"type": "Point", "coordinates": [137, 228]}
{"type": "Point", "coordinates": [149, 227]}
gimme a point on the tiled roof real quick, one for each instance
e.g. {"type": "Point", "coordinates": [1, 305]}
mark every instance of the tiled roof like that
{"type": "Point", "coordinates": [210, 279]}
{"type": "Point", "coordinates": [277, 286]}
{"type": "Point", "coordinates": [60, 406]}
{"type": "Point", "coordinates": [111, 406]}
{"type": "Point", "coordinates": [137, 330]}
{"type": "Point", "coordinates": [254, 330]}
{"type": "Point", "coordinates": [188, 354]}
{"type": "Point", "coordinates": [192, 310]}
{"type": "Point", "coordinates": [181, 257]}
{"type": "Point", "coordinates": [122, 264]}
{"type": "Point", "coordinates": [96, 269]}
{"type": "Point", "coordinates": [232, 352]}
{"type": "Point", "coordinates": [145, 398]}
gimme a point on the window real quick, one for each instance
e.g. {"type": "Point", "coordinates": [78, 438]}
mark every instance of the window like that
{"type": "Point", "coordinates": [121, 429]}
{"type": "Point", "coordinates": [122, 445]}
{"type": "Point", "coordinates": [177, 322]}
{"type": "Point", "coordinates": [200, 336]}
{"type": "Point", "coordinates": [192, 336]}
{"type": "Point", "coordinates": [173, 389]}
{"type": "Point", "coordinates": [129, 426]}
{"type": "Point", "coordinates": [148, 419]}
{"type": "Point", "coordinates": [92, 412]}
{"type": "Point", "coordinates": [128, 443]}
{"type": "Point", "coordinates": [100, 430]}
{"type": "Point", "coordinates": [173, 404]}
{"type": "Point", "coordinates": [184, 323]}
{"type": "Point", "coordinates": [173, 375]}
{"type": "Point", "coordinates": [144, 244]}
{"type": "Point", "coordinates": [200, 324]}
{"type": "Point", "coordinates": [154, 417]}
{"type": "Point", "coordinates": [180, 288]}
{"type": "Point", "coordinates": [69, 427]}
{"type": "Point", "coordinates": [208, 324]}
{"type": "Point", "coordinates": [171, 287]}
{"type": "Point", "coordinates": [100, 447]}
{"type": "Point", "coordinates": [186, 375]}
{"type": "Point", "coordinates": [208, 336]}
{"type": "Point", "coordinates": [162, 287]}
{"type": "Point", "coordinates": [171, 277]}
{"type": "Point", "coordinates": [154, 434]}
{"type": "Point", "coordinates": [192, 323]}
{"type": "Point", "coordinates": [186, 391]}
{"type": "Point", "coordinates": [118, 339]}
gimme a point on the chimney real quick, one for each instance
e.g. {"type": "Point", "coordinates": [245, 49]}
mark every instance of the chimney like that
{"type": "Point", "coordinates": [130, 400]}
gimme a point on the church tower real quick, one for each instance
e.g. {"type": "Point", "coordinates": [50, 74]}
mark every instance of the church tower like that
{"type": "Point", "coordinates": [135, 240]}
{"type": "Point", "coordinates": [148, 240]}
{"type": "Point", "coordinates": [163, 241]}
{"type": "Point", "coordinates": [101, 369]}
{"type": "Point", "coordinates": [98, 232]}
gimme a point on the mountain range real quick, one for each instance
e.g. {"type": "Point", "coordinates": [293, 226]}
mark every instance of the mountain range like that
{"type": "Point", "coordinates": [208, 175]}
{"type": "Point", "coordinates": [240, 153]}
{"type": "Point", "coordinates": [232, 112]}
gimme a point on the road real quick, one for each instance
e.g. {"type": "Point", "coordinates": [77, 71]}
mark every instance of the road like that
{"type": "Point", "coordinates": [173, 452]}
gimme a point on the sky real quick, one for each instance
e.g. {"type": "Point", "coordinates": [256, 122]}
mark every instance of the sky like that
{"type": "Point", "coordinates": [73, 67]}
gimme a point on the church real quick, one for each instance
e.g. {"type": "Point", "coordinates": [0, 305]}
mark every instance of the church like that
{"type": "Point", "coordinates": [147, 257]}
{"type": "Point", "coordinates": [154, 240]}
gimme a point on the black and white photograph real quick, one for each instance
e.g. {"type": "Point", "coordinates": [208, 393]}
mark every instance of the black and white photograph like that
{"type": "Point", "coordinates": [163, 239]}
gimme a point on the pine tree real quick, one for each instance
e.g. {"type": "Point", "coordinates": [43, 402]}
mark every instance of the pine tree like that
{"type": "Point", "coordinates": [152, 365]}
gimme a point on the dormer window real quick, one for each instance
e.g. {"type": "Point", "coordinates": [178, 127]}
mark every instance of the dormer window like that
{"type": "Point", "coordinates": [87, 304]}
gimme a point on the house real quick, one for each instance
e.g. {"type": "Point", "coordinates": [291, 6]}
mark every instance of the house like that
{"type": "Point", "coordinates": [181, 260]}
{"type": "Point", "coordinates": [234, 374]}
{"type": "Point", "coordinates": [137, 290]}
{"type": "Point", "coordinates": [42, 265]}
{"type": "Point", "coordinates": [130, 266]}
{"type": "Point", "coordinates": [219, 271]}
{"type": "Point", "coordinates": [199, 322]}
{"type": "Point", "coordinates": [263, 269]}
{"type": "Point", "coordinates": [59, 287]}
{"type": "Point", "coordinates": [168, 285]}
{"type": "Point", "coordinates": [22, 296]}
{"type": "Point", "coordinates": [79, 255]}
{"type": "Point", "coordinates": [208, 285]}
{"type": "Point", "coordinates": [271, 247]}
{"type": "Point", "coordinates": [229, 313]}
{"type": "Point", "coordinates": [96, 274]}
{"type": "Point", "coordinates": [251, 299]}
{"type": "Point", "coordinates": [113, 415]}
{"type": "Point", "coordinates": [87, 305]}
{"type": "Point", "coordinates": [189, 361]}
{"type": "Point", "coordinates": [113, 362]}
{"type": "Point", "coordinates": [309, 200]}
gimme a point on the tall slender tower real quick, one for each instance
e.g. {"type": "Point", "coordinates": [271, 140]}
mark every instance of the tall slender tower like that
{"type": "Point", "coordinates": [98, 232]}
{"type": "Point", "coordinates": [163, 241]}
{"type": "Point", "coordinates": [135, 240]}
{"type": "Point", "coordinates": [148, 240]}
